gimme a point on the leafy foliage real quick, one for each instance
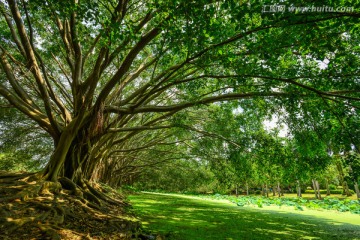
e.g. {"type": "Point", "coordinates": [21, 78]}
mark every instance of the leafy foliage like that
{"type": "Point", "coordinates": [113, 82]}
{"type": "Point", "coordinates": [298, 203]}
{"type": "Point", "coordinates": [23, 146]}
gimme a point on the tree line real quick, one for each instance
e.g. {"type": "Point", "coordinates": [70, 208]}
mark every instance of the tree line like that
{"type": "Point", "coordinates": [121, 86]}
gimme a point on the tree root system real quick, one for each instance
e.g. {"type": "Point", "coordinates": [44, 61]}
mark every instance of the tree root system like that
{"type": "Point", "coordinates": [31, 208]}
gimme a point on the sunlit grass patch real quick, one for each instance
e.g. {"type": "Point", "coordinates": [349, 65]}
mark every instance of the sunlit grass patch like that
{"type": "Point", "coordinates": [187, 217]}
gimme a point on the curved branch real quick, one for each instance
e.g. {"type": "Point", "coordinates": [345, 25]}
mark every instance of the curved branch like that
{"type": "Point", "coordinates": [28, 110]}
{"type": "Point", "coordinates": [126, 64]}
{"type": "Point", "coordinates": [12, 30]}
{"type": "Point", "coordinates": [32, 63]}
{"type": "Point", "coordinates": [12, 80]}
{"type": "Point", "coordinates": [129, 129]}
{"type": "Point", "coordinates": [178, 107]}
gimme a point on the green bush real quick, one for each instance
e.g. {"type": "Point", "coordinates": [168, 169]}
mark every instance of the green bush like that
{"type": "Point", "coordinates": [128, 189]}
{"type": "Point", "coordinates": [322, 191]}
{"type": "Point", "coordinates": [258, 192]}
{"type": "Point", "coordinates": [328, 203]}
{"type": "Point", "coordinates": [336, 191]}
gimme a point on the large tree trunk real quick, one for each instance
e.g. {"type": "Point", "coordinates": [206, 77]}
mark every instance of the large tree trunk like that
{"type": "Point", "coordinates": [67, 161]}
{"type": "Point", "coordinates": [72, 153]}
{"type": "Point", "coordinates": [58, 158]}
{"type": "Point", "coordinates": [76, 162]}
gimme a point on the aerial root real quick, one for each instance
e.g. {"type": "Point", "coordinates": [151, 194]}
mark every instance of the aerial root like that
{"type": "Point", "coordinates": [102, 195]}
{"type": "Point", "coordinates": [22, 193]}
{"type": "Point", "coordinates": [14, 224]}
{"type": "Point", "coordinates": [49, 232]}
{"type": "Point", "coordinates": [48, 188]}
{"type": "Point", "coordinates": [50, 217]}
{"type": "Point", "coordinates": [52, 210]}
{"type": "Point", "coordinates": [86, 191]}
{"type": "Point", "coordinates": [74, 189]}
{"type": "Point", "coordinates": [67, 184]}
{"type": "Point", "coordinates": [11, 177]}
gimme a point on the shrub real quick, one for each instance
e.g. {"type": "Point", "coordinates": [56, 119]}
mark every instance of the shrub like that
{"type": "Point", "coordinates": [336, 191]}
{"type": "Point", "coordinates": [127, 189]}
{"type": "Point", "coordinates": [322, 191]}
{"type": "Point", "coordinates": [328, 203]}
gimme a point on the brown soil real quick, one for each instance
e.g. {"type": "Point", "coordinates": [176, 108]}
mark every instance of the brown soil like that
{"type": "Point", "coordinates": [34, 209]}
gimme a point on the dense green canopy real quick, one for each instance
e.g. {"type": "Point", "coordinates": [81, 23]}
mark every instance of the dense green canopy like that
{"type": "Point", "coordinates": [111, 81]}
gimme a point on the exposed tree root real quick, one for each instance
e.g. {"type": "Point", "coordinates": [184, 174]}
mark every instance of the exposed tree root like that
{"type": "Point", "coordinates": [34, 209]}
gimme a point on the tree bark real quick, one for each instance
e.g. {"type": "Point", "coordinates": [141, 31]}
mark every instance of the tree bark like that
{"type": "Point", "coordinates": [70, 154]}
{"type": "Point", "coordinates": [315, 189]}
{"type": "Point", "coordinates": [354, 177]}
{"type": "Point", "coordinates": [327, 188]}
{"type": "Point", "coordinates": [342, 179]}
{"type": "Point", "coordinates": [266, 190]}
{"type": "Point", "coordinates": [298, 189]}
{"type": "Point", "coordinates": [346, 190]}
{"type": "Point", "coordinates": [356, 186]}
{"type": "Point", "coordinates": [318, 189]}
{"type": "Point", "coordinates": [279, 189]}
{"type": "Point", "coordinates": [274, 190]}
{"type": "Point", "coordinates": [57, 160]}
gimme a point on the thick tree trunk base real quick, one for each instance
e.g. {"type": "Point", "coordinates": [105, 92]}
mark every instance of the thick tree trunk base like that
{"type": "Point", "coordinates": [31, 208]}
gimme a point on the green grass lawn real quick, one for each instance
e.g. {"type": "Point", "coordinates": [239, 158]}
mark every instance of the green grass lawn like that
{"type": "Point", "coordinates": [191, 218]}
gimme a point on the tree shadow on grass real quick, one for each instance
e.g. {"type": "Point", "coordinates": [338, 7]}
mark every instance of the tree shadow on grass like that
{"type": "Point", "coordinates": [186, 218]}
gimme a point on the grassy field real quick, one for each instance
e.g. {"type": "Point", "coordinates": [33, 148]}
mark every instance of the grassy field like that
{"type": "Point", "coordinates": [191, 218]}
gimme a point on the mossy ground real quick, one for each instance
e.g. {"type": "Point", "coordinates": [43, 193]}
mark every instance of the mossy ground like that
{"type": "Point", "coordinates": [186, 217]}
